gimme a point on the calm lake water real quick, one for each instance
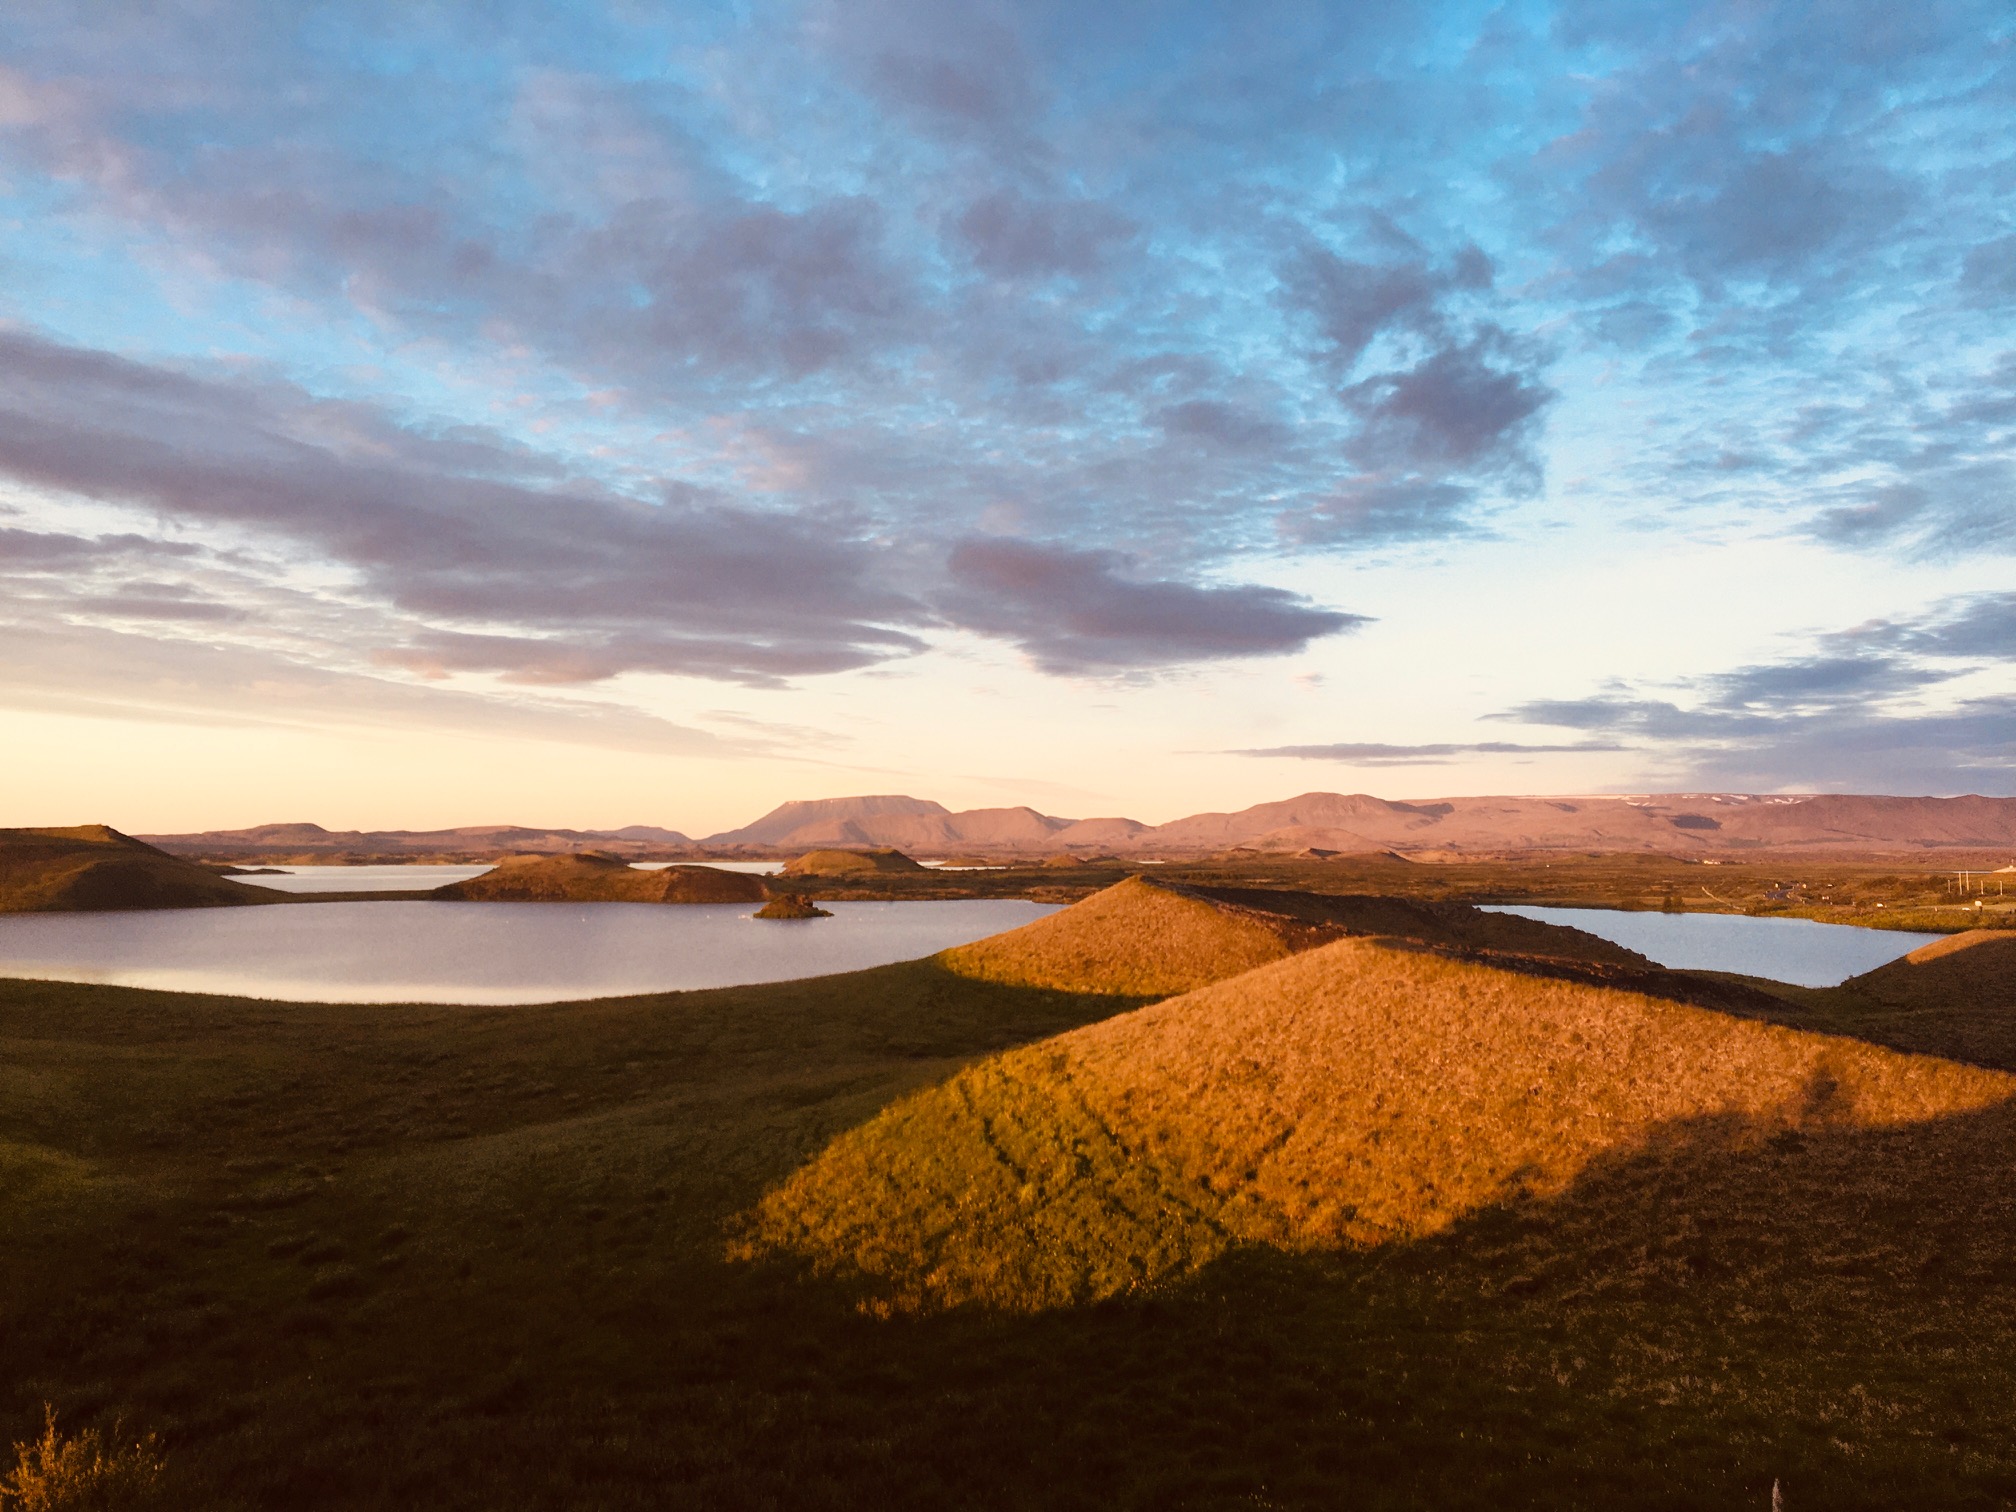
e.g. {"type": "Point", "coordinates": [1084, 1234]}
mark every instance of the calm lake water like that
{"type": "Point", "coordinates": [429, 952]}
{"type": "Point", "coordinates": [1801, 951]}
{"type": "Point", "coordinates": [423, 878]}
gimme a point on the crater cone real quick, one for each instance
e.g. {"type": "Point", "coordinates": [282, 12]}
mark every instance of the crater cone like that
{"type": "Point", "coordinates": [1147, 938]}
{"type": "Point", "coordinates": [1355, 1094]}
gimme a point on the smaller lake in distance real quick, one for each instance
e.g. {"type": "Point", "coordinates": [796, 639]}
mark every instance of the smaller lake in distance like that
{"type": "Point", "coordinates": [431, 952]}
{"type": "Point", "coordinates": [1803, 952]}
{"type": "Point", "coordinates": [425, 876]}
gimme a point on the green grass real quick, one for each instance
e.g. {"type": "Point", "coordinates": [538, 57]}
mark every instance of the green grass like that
{"type": "Point", "coordinates": [398, 1257]}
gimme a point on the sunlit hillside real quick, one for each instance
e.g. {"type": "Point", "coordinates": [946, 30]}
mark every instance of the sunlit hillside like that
{"type": "Point", "coordinates": [1359, 1094]}
{"type": "Point", "coordinates": [1148, 938]}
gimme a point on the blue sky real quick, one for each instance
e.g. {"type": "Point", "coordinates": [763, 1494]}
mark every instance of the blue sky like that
{"type": "Point", "coordinates": [1123, 408]}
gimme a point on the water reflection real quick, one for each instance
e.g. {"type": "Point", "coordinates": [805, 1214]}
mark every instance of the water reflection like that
{"type": "Point", "coordinates": [430, 952]}
{"type": "Point", "coordinates": [1803, 952]}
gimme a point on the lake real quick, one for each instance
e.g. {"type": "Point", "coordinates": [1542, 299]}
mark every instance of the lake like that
{"type": "Point", "coordinates": [423, 877]}
{"type": "Point", "coordinates": [431, 952]}
{"type": "Point", "coordinates": [1801, 951]}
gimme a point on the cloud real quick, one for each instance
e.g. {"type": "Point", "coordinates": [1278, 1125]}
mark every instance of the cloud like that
{"type": "Point", "coordinates": [1875, 708]}
{"type": "Point", "coordinates": [1352, 303]}
{"type": "Point", "coordinates": [98, 672]}
{"type": "Point", "coordinates": [1080, 612]}
{"type": "Point", "coordinates": [1381, 508]}
{"type": "Point", "coordinates": [1366, 754]}
{"type": "Point", "coordinates": [1012, 236]}
{"type": "Point", "coordinates": [1464, 408]}
{"type": "Point", "coordinates": [459, 529]}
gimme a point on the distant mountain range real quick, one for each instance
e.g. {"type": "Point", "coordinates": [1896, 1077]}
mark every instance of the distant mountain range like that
{"type": "Point", "coordinates": [1702, 824]}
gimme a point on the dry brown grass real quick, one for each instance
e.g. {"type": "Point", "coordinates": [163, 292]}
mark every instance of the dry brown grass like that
{"type": "Point", "coordinates": [1354, 1095]}
{"type": "Point", "coordinates": [1136, 939]}
{"type": "Point", "coordinates": [1147, 938]}
{"type": "Point", "coordinates": [81, 1472]}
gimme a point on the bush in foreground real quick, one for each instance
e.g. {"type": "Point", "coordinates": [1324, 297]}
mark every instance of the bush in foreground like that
{"type": "Point", "coordinates": [81, 1473]}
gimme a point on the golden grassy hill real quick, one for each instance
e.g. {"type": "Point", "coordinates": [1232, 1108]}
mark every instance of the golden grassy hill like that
{"type": "Point", "coordinates": [1146, 938]}
{"type": "Point", "coordinates": [1356, 1094]}
{"type": "Point", "coordinates": [593, 878]}
{"type": "Point", "coordinates": [850, 863]}
{"type": "Point", "coordinates": [94, 867]}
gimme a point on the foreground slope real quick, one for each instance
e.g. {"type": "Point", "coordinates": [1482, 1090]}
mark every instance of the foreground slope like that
{"type": "Point", "coordinates": [1147, 938]}
{"type": "Point", "coordinates": [1360, 1093]}
{"type": "Point", "coordinates": [94, 867]}
{"type": "Point", "coordinates": [592, 878]}
{"type": "Point", "coordinates": [375, 1258]}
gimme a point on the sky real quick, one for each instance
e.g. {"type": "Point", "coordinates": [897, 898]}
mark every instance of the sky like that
{"type": "Point", "coordinates": [425, 414]}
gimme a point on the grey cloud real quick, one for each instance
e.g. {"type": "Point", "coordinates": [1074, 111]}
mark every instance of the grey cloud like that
{"type": "Point", "coordinates": [55, 551]}
{"type": "Point", "coordinates": [962, 67]}
{"type": "Point", "coordinates": [1229, 427]}
{"type": "Point", "coordinates": [1010, 235]}
{"type": "Point", "coordinates": [1079, 611]}
{"type": "Point", "coordinates": [689, 584]}
{"type": "Point", "coordinates": [1928, 466]}
{"type": "Point", "coordinates": [1352, 303]}
{"type": "Point", "coordinates": [1463, 407]}
{"type": "Point", "coordinates": [1848, 716]}
{"type": "Point", "coordinates": [1372, 754]}
{"type": "Point", "coordinates": [1971, 748]}
{"type": "Point", "coordinates": [97, 671]}
{"type": "Point", "coordinates": [1983, 625]}
{"type": "Point", "coordinates": [1376, 508]}
{"type": "Point", "coordinates": [1822, 681]}
{"type": "Point", "coordinates": [1989, 273]}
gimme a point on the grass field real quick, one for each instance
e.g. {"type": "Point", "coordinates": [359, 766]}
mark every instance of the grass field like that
{"type": "Point", "coordinates": [394, 1257]}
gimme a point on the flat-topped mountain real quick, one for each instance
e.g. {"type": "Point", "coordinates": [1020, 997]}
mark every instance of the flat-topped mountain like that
{"type": "Point", "coordinates": [92, 867]}
{"type": "Point", "coordinates": [905, 823]}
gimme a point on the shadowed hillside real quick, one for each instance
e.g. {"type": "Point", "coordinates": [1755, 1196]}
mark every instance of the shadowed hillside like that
{"type": "Point", "coordinates": [1148, 938]}
{"type": "Point", "coordinates": [1358, 1094]}
{"type": "Point", "coordinates": [1955, 997]}
{"type": "Point", "coordinates": [95, 868]}
{"type": "Point", "coordinates": [592, 878]}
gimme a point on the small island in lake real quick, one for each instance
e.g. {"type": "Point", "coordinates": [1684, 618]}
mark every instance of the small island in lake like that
{"type": "Point", "coordinates": [591, 877]}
